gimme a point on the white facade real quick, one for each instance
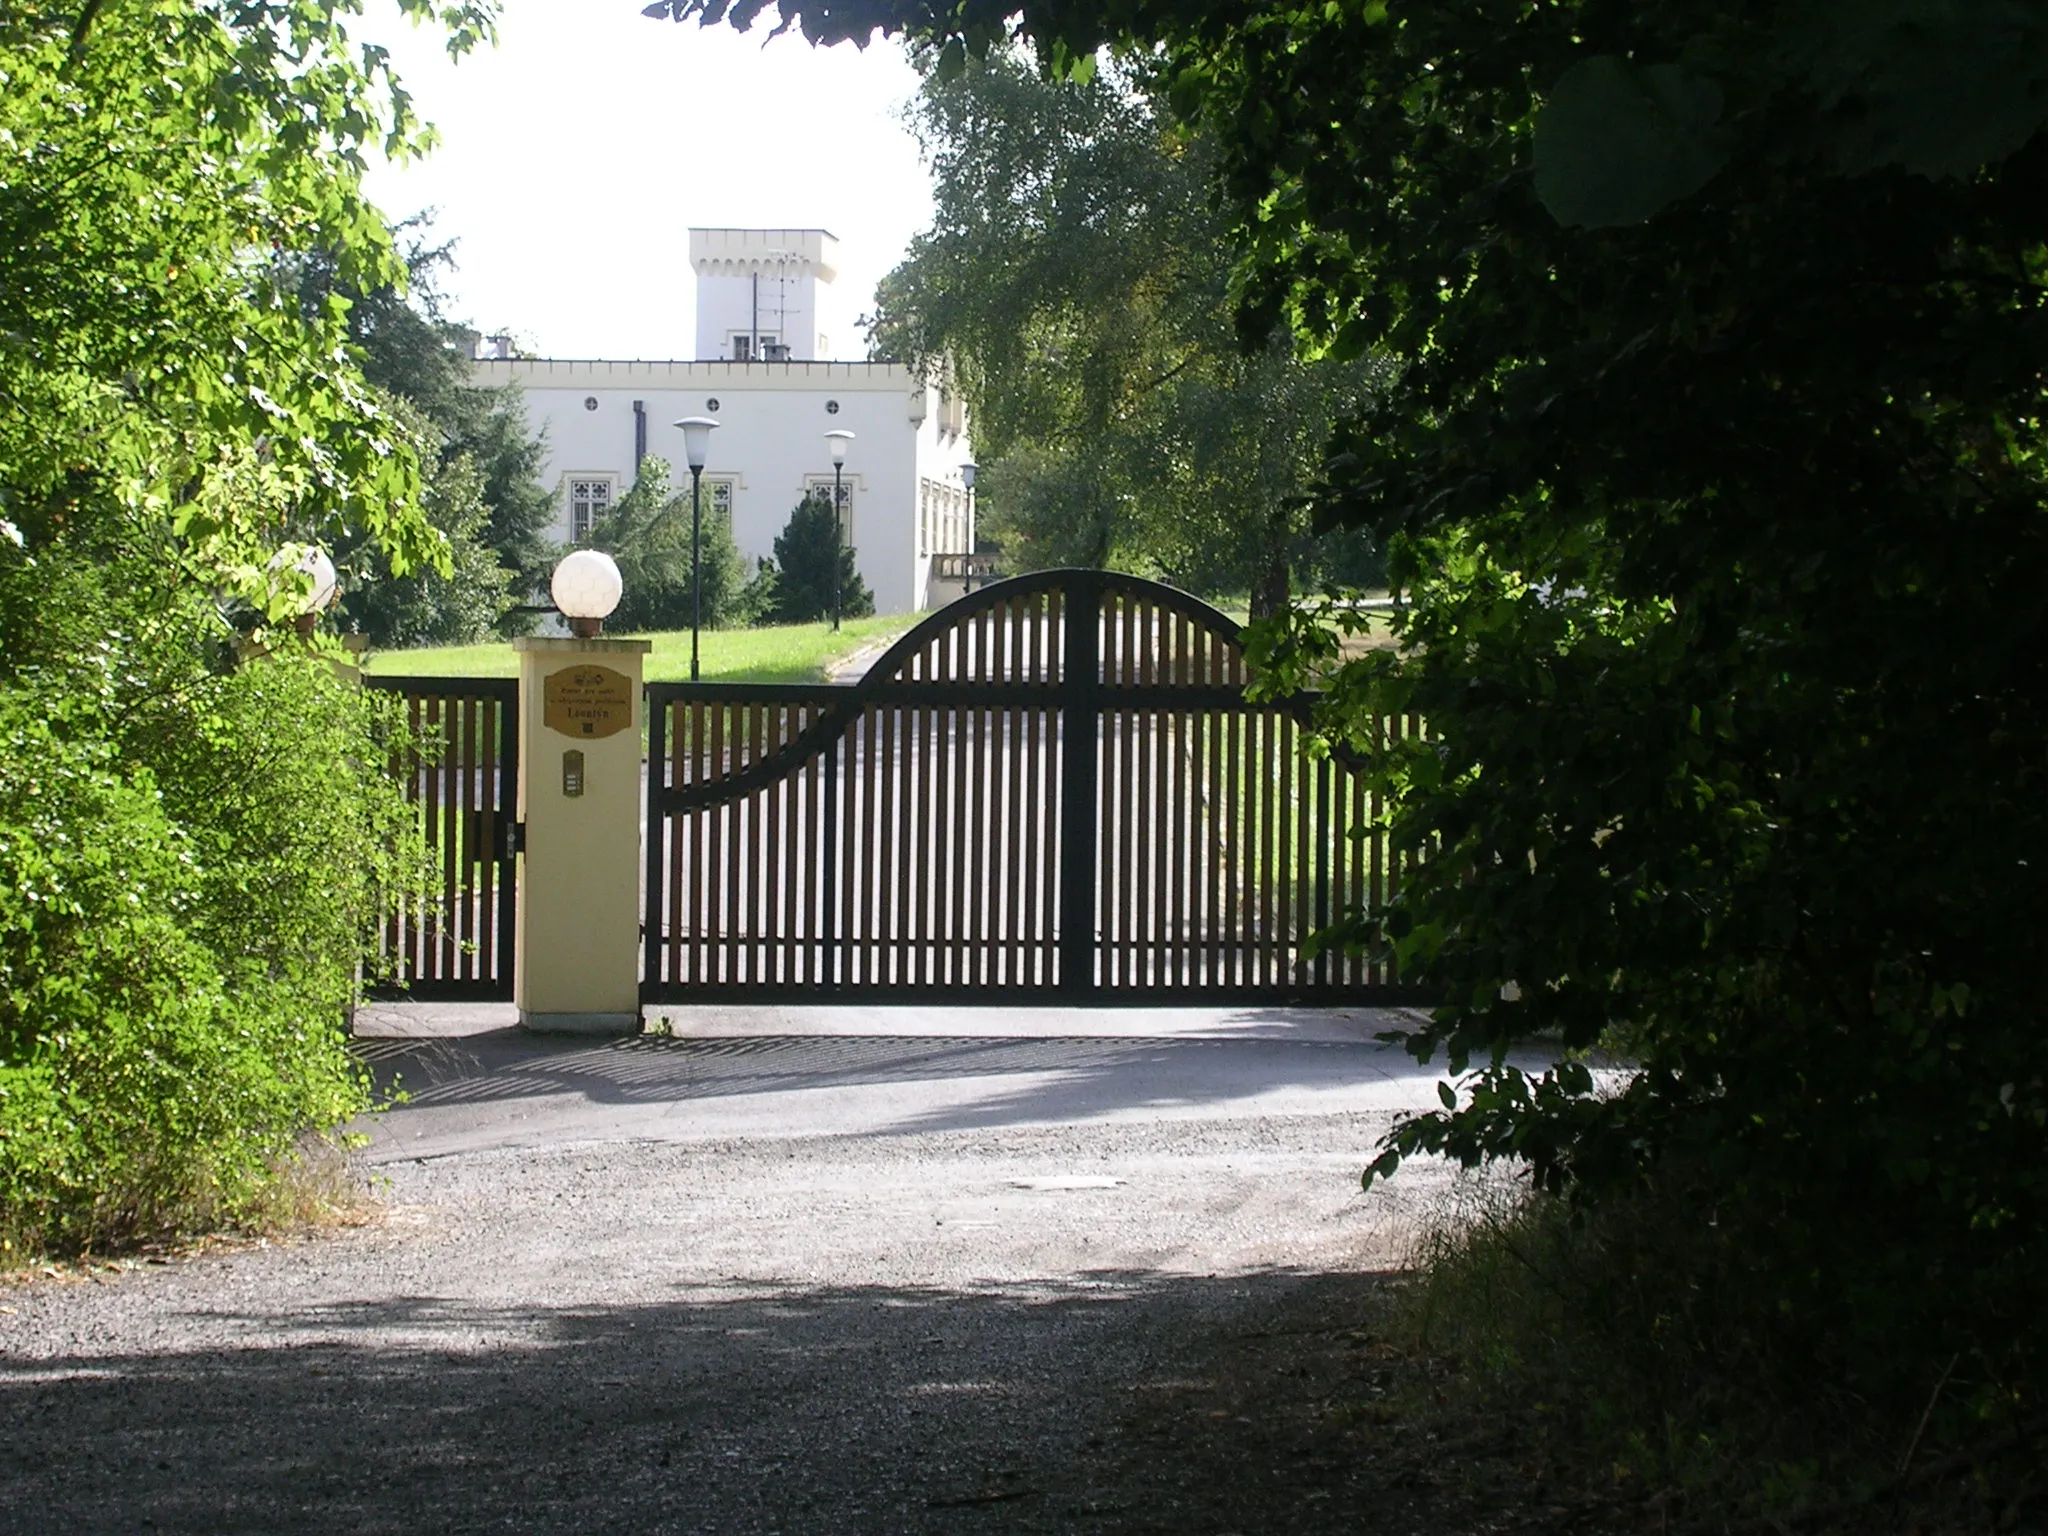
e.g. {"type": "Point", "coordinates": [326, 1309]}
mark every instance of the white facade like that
{"type": "Point", "coordinates": [901, 483]}
{"type": "Point", "coordinates": [901, 486]}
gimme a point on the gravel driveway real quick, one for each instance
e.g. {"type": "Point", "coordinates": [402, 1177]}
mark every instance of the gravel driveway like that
{"type": "Point", "coordinates": [909, 1279]}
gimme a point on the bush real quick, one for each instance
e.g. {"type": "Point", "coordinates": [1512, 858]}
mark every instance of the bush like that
{"type": "Point", "coordinates": [190, 858]}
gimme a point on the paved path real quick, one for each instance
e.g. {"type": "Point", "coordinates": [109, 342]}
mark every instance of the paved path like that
{"type": "Point", "coordinates": [934, 1276]}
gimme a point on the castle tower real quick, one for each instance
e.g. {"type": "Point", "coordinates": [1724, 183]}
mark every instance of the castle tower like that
{"type": "Point", "coordinates": [757, 293]}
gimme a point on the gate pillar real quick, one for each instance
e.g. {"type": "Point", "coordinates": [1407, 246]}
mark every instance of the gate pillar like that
{"type": "Point", "coordinates": [578, 941]}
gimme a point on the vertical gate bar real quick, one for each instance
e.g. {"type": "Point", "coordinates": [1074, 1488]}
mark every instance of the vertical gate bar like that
{"type": "Point", "coordinates": [927, 825]}
{"type": "Point", "coordinates": [1375, 889]}
{"type": "Point", "coordinates": [656, 839]}
{"type": "Point", "coordinates": [1079, 663]}
{"type": "Point", "coordinates": [428, 935]}
{"type": "Point", "coordinates": [1299, 807]}
{"type": "Point", "coordinates": [1269, 850]}
{"type": "Point", "coordinates": [484, 855]}
{"type": "Point", "coordinates": [465, 773]}
{"type": "Point", "coordinates": [1137, 807]}
{"type": "Point", "coordinates": [789, 816]}
{"type": "Point", "coordinates": [449, 840]}
{"type": "Point", "coordinates": [967, 811]}
{"type": "Point", "coordinates": [1166, 842]}
{"type": "Point", "coordinates": [870, 803]}
{"type": "Point", "coordinates": [829, 914]}
{"type": "Point", "coordinates": [958, 833]}
{"type": "Point", "coordinates": [1354, 863]}
{"type": "Point", "coordinates": [1206, 785]}
{"type": "Point", "coordinates": [1325, 772]}
{"type": "Point", "coordinates": [1030, 900]}
{"type": "Point", "coordinates": [739, 831]}
{"type": "Point", "coordinates": [891, 960]}
{"type": "Point", "coordinates": [1252, 855]}
{"type": "Point", "coordinates": [681, 860]}
{"type": "Point", "coordinates": [1013, 921]}
{"type": "Point", "coordinates": [700, 833]}
{"type": "Point", "coordinates": [458, 811]}
{"type": "Point", "coordinates": [902, 845]}
{"type": "Point", "coordinates": [1231, 812]}
{"type": "Point", "coordinates": [768, 865]}
{"type": "Point", "coordinates": [1123, 816]}
{"type": "Point", "coordinates": [1186, 853]}
{"type": "Point", "coordinates": [753, 924]}
{"type": "Point", "coordinates": [1187, 859]}
{"type": "Point", "coordinates": [1283, 848]}
{"type": "Point", "coordinates": [1144, 815]}
{"type": "Point", "coordinates": [508, 809]}
{"type": "Point", "coordinates": [708, 924]}
{"type": "Point", "coordinates": [972, 926]}
{"type": "Point", "coordinates": [714, 850]}
{"type": "Point", "coordinates": [1143, 777]}
{"type": "Point", "coordinates": [1044, 837]}
{"type": "Point", "coordinates": [812, 853]}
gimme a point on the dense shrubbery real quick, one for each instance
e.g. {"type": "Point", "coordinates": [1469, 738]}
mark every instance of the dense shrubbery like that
{"type": "Point", "coordinates": [190, 847]}
{"type": "Point", "coordinates": [190, 853]}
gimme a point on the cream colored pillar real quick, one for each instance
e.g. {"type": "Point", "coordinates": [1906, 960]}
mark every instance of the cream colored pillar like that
{"type": "Point", "coordinates": [578, 951]}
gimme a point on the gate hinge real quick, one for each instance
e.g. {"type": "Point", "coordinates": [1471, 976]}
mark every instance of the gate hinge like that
{"type": "Point", "coordinates": [511, 838]}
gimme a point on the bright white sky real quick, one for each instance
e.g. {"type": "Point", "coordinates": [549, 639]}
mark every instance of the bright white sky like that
{"type": "Point", "coordinates": [576, 156]}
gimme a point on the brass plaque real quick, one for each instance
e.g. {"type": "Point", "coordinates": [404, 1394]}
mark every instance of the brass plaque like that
{"type": "Point", "coordinates": [587, 702]}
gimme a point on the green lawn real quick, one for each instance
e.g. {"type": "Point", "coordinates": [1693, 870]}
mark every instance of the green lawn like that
{"type": "Point", "coordinates": [796, 653]}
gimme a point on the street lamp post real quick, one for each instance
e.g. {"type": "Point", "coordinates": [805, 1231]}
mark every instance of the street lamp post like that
{"type": "Point", "coordinates": [696, 447]}
{"type": "Point", "coordinates": [836, 440]}
{"type": "Point", "coordinates": [967, 560]}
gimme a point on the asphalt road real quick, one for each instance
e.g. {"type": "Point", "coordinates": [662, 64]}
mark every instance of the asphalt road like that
{"type": "Point", "coordinates": [863, 1271]}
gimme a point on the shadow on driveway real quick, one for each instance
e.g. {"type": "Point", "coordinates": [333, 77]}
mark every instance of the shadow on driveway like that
{"type": "Point", "coordinates": [1109, 1402]}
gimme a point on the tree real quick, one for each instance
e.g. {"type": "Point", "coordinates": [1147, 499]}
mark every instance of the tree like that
{"type": "Point", "coordinates": [480, 462]}
{"type": "Point", "coordinates": [150, 154]}
{"type": "Point", "coordinates": [1075, 282]}
{"type": "Point", "coordinates": [1714, 476]}
{"type": "Point", "coordinates": [804, 567]}
{"type": "Point", "coordinates": [649, 534]}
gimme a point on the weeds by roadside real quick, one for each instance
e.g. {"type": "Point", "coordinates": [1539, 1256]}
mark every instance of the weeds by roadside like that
{"type": "Point", "coordinates": [1636, 1356]}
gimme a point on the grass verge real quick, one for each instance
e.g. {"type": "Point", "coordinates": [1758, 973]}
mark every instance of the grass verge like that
{"type": "Point", "coordinates": [791, 653]}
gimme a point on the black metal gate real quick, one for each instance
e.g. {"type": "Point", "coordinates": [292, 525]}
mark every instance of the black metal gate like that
{"type": "Point", "coordinates": [462, 778]}
{"type": "Point", "coordinates": [1051, 790]}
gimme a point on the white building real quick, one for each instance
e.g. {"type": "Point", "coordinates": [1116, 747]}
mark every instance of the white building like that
{"type": "Point", "coordinates": [763, 372]}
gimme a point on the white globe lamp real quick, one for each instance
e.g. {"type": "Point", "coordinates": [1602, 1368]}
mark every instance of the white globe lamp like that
{"type": "Point", "coordinates": [319, 571]}
{"type": "Point", "coordinates": [586, 588]}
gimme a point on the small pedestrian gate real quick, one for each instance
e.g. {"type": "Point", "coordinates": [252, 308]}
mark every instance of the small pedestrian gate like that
{"type": "Point", "coordinates": [1053, 790]}
{"type": "Point", "coordinates": [462, 778]}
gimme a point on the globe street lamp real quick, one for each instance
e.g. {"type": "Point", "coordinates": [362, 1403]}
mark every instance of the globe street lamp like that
{"type": "Point", "coordinates": [586, 587]}
{"type": "Point", "coordinates": [696, 445]}
{"type": "Point", "coordinates": [323, 587]}
{"type": "Point", "coordinates": [967, 472]}
{"type": "Point", "coordinates": [836, 440]}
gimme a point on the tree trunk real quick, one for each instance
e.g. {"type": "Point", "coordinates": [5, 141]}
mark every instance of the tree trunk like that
{"type": "Point", "coordinates": [1270, 588]}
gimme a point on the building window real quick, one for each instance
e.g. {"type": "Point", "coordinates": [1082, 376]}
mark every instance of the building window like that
{"type": "Point", "coordinates": [743, 346]}
{"type": "Point", "coordinates": [941, 518]}
{"type": "Point", "coordinates": [718, 502]}
{"type": "Point", "coordinates": [590, 497]}
{"type": "Point", "coordinates": [823, 485]}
